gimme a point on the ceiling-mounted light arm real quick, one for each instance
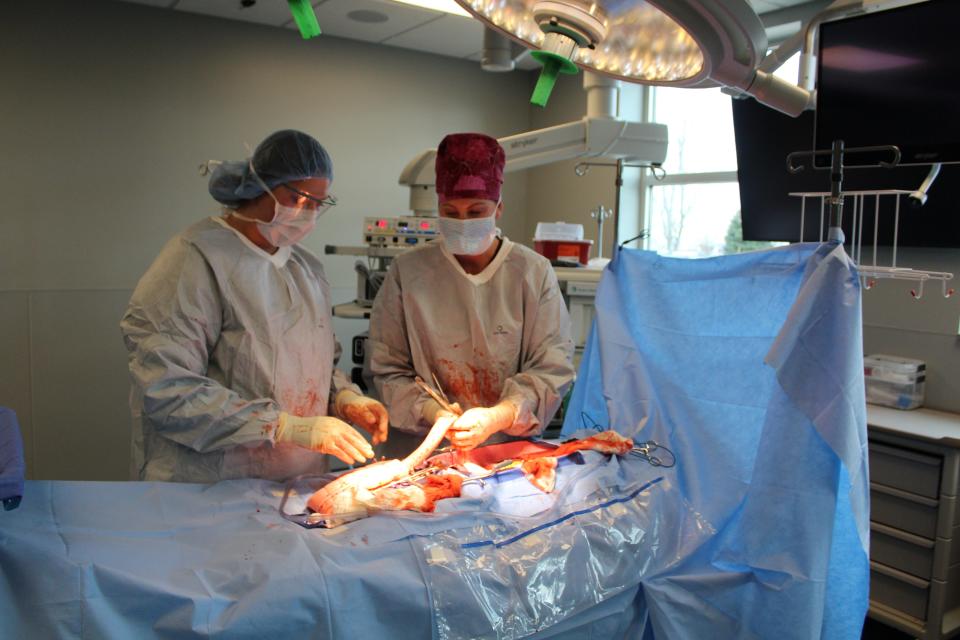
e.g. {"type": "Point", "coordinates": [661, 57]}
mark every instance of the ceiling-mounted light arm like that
{"type": "Point", "coordinates": [591, 137]}
{"type": "Point", "coordinates": [805, 40]}
{"type": "Point", "coordinates": [779, 94]}
{"type": "Point", "coordinates": [500, 53]}
{"type": "Point", "coordinates": [733, 42]}
{"type": "Point", "coordinates": [745, 41]}
{"type": "Point", "coordinates": [730, 34]}
{"type": "Point", "coordinates": [794, 99]}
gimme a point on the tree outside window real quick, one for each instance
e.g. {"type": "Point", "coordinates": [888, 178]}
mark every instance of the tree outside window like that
{"type": "Point", "coordinates": [695, 210]}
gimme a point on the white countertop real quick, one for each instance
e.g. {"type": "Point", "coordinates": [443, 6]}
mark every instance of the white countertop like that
{"type": "Point", "coordinates": [923, 423]}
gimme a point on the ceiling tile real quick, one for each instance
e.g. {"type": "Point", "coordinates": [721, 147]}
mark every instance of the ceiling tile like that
{"type": "Point", "coordinates": [334, 19]}
{"type": "Point", "coordinates": [449, 36]}
{"type": "Point", "coordinates": [270, 12]}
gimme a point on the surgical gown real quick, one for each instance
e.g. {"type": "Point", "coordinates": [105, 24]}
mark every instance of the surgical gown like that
{"type": "Point", "coordinates": [503, 334]}
{"type": "Point", "coordinates": [222, 336]}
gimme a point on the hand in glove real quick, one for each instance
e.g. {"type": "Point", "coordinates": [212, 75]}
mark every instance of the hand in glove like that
{"type": "Point", "coordinates": [476, 425]}
{"type": "Point", "coordinates": [432, 411]}
{"type": "Point", "coordinates": [364, 412]}
{"type": "Point", "coordinates": [324, 434]}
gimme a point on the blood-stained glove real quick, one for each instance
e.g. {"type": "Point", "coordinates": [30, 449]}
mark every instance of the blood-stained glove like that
{"type": "Point", "coordinates": [432, 411]}
{"type": "Point", "coordinates": [476, 425]}
{"type": "Point", "coordinates": [324, 434]}
{"type": "Point", "coordinates": [366, 413]}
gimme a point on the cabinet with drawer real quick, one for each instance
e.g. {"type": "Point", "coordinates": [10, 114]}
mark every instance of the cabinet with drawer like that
{"type": "Point", "coordinates": [914, 522]}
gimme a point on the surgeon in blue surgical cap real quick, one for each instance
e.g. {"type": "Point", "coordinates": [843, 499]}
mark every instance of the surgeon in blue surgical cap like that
{"type": "Point", "coordinates": [230, 339]}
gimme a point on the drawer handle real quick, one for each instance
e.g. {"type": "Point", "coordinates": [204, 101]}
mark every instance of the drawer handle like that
{"type": "Point", "coordinates": [905, 495]}
{"type": "Point", "coordinates": [898, 575]}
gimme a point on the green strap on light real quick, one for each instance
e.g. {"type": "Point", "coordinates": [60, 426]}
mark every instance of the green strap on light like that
{"type": "Point", "coordinates": [305, 18]}
{"type": "Point", "coordinates": [553, 65]}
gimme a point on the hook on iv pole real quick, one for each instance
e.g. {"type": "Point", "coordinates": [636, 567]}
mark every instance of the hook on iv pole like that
{"type": "Point", "coordinates": [918, 292]}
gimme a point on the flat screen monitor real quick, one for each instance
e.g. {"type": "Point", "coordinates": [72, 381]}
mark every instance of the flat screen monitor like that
{"type": "Point", "coordinates": [764, 137]}
{"type": "Point", "coordinates": [892, 77]}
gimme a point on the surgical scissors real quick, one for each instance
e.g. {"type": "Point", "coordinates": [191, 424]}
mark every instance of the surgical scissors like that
{"type": "Point", "coordinates": [645, 450]}
{"type": "Point", "coordinates": [441, 399]}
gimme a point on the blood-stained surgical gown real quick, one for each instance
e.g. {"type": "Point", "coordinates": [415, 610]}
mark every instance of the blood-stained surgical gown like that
{"type": "Point", "coordinates": [222, 337]}
{"type": "Point", "coordinates": [502, 334]}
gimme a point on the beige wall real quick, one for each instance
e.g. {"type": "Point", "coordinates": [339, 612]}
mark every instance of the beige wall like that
{"type": "Point", "coordinates": [558, 194]}
{"type": "Point", "coordinates": [926, 329]}
{"type": "Point", "coordinates": [107, 109]}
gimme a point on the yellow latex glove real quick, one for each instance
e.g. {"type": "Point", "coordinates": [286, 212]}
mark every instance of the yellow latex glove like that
{"type": "Point", "coordinates": [433, 411]}
{"type": "Point", "coordinates": [476, 425]}
{"type": "Point", "coordinates": [324, 434]}
{"type": "Point", "coordinates": [366, 413]}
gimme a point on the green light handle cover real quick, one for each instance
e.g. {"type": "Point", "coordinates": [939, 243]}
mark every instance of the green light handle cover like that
{"type": "Point", "coordinates": [553, 65]}
{"type": "Point", "coordinates": [305, 18]}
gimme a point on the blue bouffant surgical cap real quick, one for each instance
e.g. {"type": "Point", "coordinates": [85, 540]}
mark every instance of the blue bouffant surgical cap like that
{"type": "Point", "coordinates": [284, 156]}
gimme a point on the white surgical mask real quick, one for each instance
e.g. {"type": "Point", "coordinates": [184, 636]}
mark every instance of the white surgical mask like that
{"type": "Point", "coordinates": [469, 237]}
{"type": "Point", "coordinates": [290, 225]}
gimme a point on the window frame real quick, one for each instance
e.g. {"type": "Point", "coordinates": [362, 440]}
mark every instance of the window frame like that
{"type": "Point", "coordinates": [648, 181]}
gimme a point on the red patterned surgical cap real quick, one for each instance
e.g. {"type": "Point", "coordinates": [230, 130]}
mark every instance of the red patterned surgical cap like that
{"type": "Point", "coordinates": [469, 165]}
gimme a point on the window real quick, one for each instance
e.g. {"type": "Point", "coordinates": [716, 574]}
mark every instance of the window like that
{"type": "Point", "coordinates": [694, 211]}
{"type": "Point", "coordinates": [691, 220]}
{"type": "Point", "coordinates": [689, 211]}
{"type": "Point", "coordinates": [700, 126]}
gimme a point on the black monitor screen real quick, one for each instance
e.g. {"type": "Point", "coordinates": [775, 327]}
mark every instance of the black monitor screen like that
{"type": "Point", "coordinates": [764, 137]}
{"type": "Point", "coordinates": [892, 78]}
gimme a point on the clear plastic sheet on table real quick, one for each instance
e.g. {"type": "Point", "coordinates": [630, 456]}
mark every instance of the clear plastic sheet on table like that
{"type": "Point", "coordinates": [512, 576]}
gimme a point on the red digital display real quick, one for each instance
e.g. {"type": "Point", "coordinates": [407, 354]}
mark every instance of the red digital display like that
{"type": "Point", "coordinates": [382, 223]}
{"type": "Point", "coordinates": [424, 225]}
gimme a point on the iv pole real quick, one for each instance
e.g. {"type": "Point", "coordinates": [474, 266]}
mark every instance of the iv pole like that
{"type": "Point", "coordinates": [836, 153]}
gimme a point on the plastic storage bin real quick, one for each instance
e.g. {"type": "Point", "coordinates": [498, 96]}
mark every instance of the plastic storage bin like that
{"type": "Point", "coordinates": [558, 231]}
{"type": "Point", "coordinates": [570, 251]}
{"type": "Point", "coordinates": [893, 381]}
{"type": "Point", "coordinates": [562, 242]}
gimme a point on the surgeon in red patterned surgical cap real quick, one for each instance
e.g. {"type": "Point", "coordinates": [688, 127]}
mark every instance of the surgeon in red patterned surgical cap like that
{"type": "Point", "coordinates": [482, 314]}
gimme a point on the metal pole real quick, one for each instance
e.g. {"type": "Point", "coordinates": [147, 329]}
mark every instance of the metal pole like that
{"type": "Point", "coordinates": [835, 233]}
{"type": "Point", "coordinates": [616, 207]}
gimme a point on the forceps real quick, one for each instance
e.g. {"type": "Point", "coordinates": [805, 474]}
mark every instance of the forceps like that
{"type": "Point", "coordinates": [441, 399]}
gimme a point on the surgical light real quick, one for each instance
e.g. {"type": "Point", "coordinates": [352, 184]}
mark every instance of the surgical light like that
{"type": "Point", "coordinates": [446, 6]}
{"type": "Point", "coordinates": [682, 43]}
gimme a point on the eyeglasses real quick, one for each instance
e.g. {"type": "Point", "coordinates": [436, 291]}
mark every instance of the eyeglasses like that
{"type": "Point", "coordinates": [322, 203]}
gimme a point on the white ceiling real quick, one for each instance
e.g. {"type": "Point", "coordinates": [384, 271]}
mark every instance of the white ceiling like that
{"type": "Point", "coordinates": [400, 25]}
